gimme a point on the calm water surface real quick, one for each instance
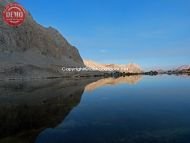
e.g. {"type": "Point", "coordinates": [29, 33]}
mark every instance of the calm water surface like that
{"type": "Point", "coordinates": [156, 109]}
{"type": "Point", "coordinates": [124, 110]}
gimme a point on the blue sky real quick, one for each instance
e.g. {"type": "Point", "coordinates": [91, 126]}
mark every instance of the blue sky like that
{"type": "Point", "coordinates": [151, 33]}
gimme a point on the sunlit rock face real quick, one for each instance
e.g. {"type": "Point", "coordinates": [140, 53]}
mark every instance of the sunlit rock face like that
{"type": "Point", "coordinates": [31, 44]}
{"type": "Point", "coordinates": [131, 68]}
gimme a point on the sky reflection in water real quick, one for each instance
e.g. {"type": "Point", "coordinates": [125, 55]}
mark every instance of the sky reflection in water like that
{"type": "Point", "coordinates": [148, 109]}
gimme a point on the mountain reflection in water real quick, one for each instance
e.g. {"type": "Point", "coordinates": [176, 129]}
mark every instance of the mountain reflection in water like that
{"type": "Point", "coordinates": [130, 109]}
{"type": "Point", "coordinates": [154, 110]}
{"type": "Point", "coordinates": [113, 81]}
{"type": "Point", "coordinates": [28, 107]}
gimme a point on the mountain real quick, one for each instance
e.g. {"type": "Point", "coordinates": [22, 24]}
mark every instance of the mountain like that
{"type": "Point", "coordinates": [184, 67]}
{"type": "Point", "coordinates": [129, 68]}
{"type": "Point", "coordinates": [32, 50]}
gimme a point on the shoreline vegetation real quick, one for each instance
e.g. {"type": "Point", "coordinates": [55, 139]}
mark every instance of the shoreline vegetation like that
{"type": "Point", "coordinates": [150, 73]}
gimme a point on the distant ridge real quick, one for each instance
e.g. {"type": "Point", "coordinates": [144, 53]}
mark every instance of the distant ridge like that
{"type": "Point", "coordinates": [130, 68]}
{"type": "Point", "coordinates": [184, 67]}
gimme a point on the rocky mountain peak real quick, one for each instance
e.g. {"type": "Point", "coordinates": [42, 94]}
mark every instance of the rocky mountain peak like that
{"type": "Point", "coordinates": [33, 44]}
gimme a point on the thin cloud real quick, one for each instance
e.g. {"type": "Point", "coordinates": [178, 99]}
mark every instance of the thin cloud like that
{"type": "Point", "coordinates": [103, 51]}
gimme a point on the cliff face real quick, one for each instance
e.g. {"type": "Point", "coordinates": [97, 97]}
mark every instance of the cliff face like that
{"type": "Point", "coordinates": [34, 45]}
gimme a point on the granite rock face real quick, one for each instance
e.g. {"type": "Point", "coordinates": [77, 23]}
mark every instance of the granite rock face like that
{"type": "Point", "coordinates": [129, 68]}
{"type": "Point", "coordinates": [34, 51]}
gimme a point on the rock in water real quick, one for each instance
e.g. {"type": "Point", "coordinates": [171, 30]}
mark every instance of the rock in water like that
{"type": "Point", "coordinates": [34, 51]}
